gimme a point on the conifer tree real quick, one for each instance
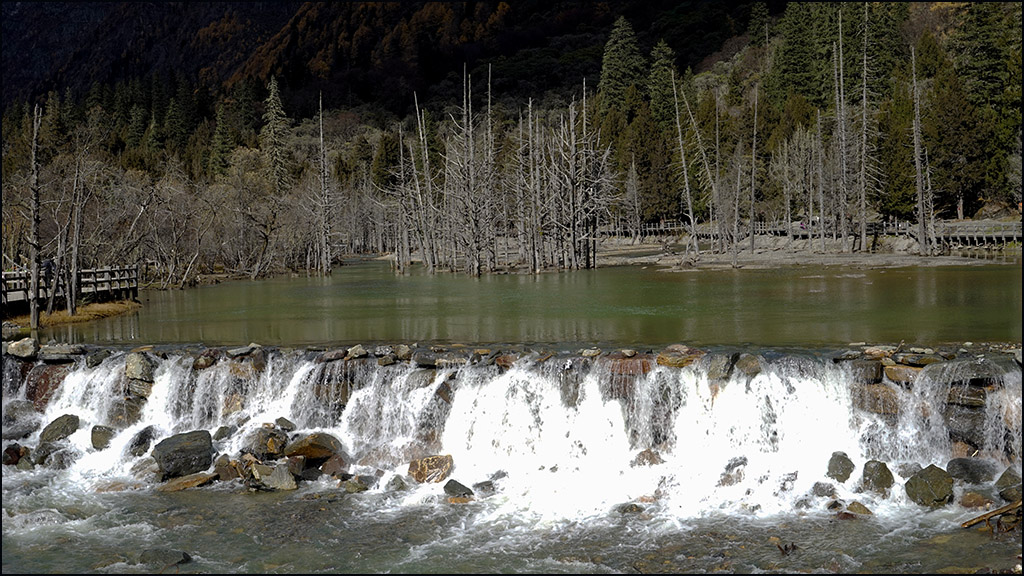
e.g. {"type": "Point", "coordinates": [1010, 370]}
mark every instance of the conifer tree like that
{"type": "Point", "coordinates": [621, 67]}
{"type": "Point", "coordinates": [272, 139]}
{"type": "Point", "coordinates": [659, 86]}
{"type": "Point", "coordinates": [983, 52]}
{"type": "Point", "coordinates": [757, 27]}
{"type": "Point", "coordinates": [221, 147]}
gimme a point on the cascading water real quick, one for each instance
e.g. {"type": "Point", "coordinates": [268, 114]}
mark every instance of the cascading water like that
{"type": "Point", "coordinates": [593, 468]}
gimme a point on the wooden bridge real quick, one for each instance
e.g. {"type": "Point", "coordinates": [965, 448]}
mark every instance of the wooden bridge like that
{"type": "Point", "coordinates": [99, 283]}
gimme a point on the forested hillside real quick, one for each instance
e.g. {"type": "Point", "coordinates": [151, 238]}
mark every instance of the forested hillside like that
{"type": "Point", "coordinates": [256, 138]}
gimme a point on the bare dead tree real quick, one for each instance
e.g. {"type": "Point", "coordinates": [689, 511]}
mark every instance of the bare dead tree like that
{"type": "Point", "coordinates": [33, 239]}
{"type": "Point", "coordinates": [753, 172]}
{"type": "Point", "coordinates": [922, 208]}
{"type": "Point", "coordinates": [687, 196]}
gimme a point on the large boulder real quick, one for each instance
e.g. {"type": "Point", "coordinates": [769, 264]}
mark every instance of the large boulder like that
{"type": "Point", "coordinates": [273, 478]}
{"type": "Point", "coordinates": [101, 436]}
{"type": "Point", "coordinates": [59, 429]}
{"type": "Point", "coordinates": [26, 348]}
{"type": "Point", "coordinates": [876, 477]}
{"type": "Point", "coordinates": [139, 444]}
{"type": "Point", "coordinates": [840, 466]}
{"type": "Point", "coordinates": [126, 411]}
{"type": "Point", "coordinates": [1009, 485]}
{"type": "Point", "coordinates": [140, 366]}
{"type": "Point", "coordinates": [43, 381]}
{"type": "Point", "coordinates": [679, 356]}
{"type": "Point", "coordinates": [184, 454]}
{"type": "Point", "coordinates": [431, 469]}
{"type": "Point", "coordinates": [972, 470]}
{"type": "Point", "coordinates": [317, 447]}
{"type": "Point", "coordinates": [267, 443]}
{"type": "Point", "coordinates": [20, 419]}
{"type": "Point", "coordinates": [931, 487]}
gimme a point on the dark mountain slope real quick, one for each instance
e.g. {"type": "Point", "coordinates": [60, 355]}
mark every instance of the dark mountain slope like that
{"type": "Point", "coordinates": [376, 52]}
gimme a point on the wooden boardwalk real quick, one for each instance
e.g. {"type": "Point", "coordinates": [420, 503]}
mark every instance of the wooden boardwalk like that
{"type": "Point", "coordinates": [946, 232]}
{"type": "Point", "coordinates": [100, 283]}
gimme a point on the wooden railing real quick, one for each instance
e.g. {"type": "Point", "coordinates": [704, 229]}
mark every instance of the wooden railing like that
{"type": "Point", "coordinates": [974, 233]}
{"type": "Point", "coordinates": [102, 283]}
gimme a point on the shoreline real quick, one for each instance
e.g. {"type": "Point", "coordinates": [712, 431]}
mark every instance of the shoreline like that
{"type": "Point", "coordinates": [771, 252]}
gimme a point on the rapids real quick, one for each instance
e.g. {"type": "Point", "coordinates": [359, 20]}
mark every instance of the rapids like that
{"type": "Point", "coordinates": [593, 469]}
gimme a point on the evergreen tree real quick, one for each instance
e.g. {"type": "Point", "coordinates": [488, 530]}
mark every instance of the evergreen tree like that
{"type": "Point", "coordinates": [794, 70]}
{"type": "Point", "coordinates": [384, 161]}
{"type": "Point", "coordinates": [895, 120]}
{"type": "Point", "coordinates": [175, 130]}
{"type": "Point", "coordinates": [222, 145]}
{"type": "Point", "coordinates": [621, 67]}
{"type": "Point", "coordinates": [272, 139]}
{"type": "Point", "coordinates": [966, 163]}
{"type": "Point", "coordinates": [983, 51]}
{"type": "Point", "coordinates": [138, 121]}
{"type": "Point", "coordinates": [757, 27]}
{"type": "Point", "coordinates": [659, 86]}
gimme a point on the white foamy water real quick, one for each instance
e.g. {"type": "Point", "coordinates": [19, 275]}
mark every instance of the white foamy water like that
{"type": "Point", "coordinates": [568, 446]}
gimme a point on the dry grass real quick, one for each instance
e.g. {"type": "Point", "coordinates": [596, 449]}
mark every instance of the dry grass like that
{"type": "Point", "coordinates": [85, 313]}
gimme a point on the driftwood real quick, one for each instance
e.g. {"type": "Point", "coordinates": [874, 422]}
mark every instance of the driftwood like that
{"type": "Point", "coordinates": [986, 516]}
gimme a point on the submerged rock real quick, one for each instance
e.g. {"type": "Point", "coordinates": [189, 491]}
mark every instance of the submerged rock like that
{"type": "Point", "coordinates": [163, 557]}
{"type": "Point", "coordinates": [455, 488]}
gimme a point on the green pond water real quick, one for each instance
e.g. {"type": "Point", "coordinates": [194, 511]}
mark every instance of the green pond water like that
{"type": "Point", "coordinates": [620, 306]}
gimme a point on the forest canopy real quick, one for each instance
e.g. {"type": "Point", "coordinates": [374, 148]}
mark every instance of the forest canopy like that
{"type": "Point", "coordinates": [833, 114]}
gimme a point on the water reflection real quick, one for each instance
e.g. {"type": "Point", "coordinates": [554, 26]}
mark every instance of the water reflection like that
{"type": "Point", "coordinates": [612, 306]}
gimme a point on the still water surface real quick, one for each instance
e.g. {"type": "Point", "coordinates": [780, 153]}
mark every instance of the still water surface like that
{"type": "Point", "coordinates": [622, 306]}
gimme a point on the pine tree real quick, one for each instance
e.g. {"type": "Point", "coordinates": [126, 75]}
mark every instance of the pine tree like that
{"type": "Point", "coordinates": [272, 139]}
{"type": "Point", "coordinates": [621, 67]}
{"type": "Point", "coordinates": [175, 130]}
{"type": "Point", "coordinates": [983, 53]}
{"type": "Point", "coordinates": [757, 28]}
{"type": "Point", "coordinates": [222, 145]}
{"type": "Point", "coordinates": [793, 70]}
{"type": "Point", "coordinates": [960, 137]}
{"type": "Point", "coordinates": [659, 86]}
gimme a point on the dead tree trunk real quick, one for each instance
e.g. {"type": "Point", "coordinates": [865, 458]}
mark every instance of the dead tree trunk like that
{"type": "Point", "coordinates": [33, 241]}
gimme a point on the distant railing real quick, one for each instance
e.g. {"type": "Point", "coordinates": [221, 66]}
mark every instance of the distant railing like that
{"type": "Point", "coordinates": [102, 283]}
{"type": "Point", "coordinates": [972, 233]}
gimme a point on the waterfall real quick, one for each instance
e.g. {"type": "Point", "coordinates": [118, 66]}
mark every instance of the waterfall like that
{"type": "Point", "coordinates": [561, 436]}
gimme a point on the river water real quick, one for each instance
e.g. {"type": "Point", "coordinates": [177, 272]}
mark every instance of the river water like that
{"type": "Point", "coordinates": [623, 306]}
{"type": "Point", "coordinates": [733, 490]}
